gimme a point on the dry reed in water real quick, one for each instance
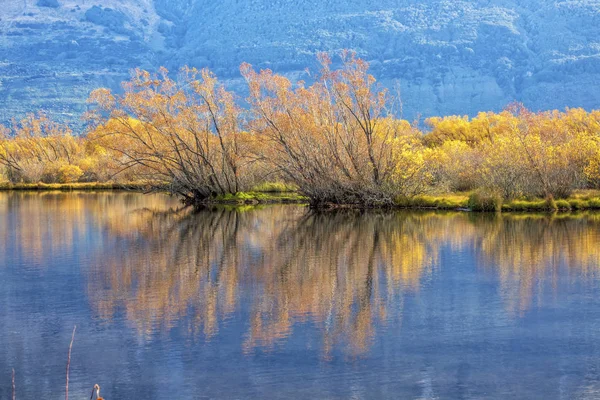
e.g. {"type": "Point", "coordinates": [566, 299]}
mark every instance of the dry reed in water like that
{"type": "Point", "coordinates": [14, 388]}
{"type": "Point", "coordinates": [69, 364]}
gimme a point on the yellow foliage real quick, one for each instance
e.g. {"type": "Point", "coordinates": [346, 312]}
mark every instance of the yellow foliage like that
{"type": "Point", "coordinates": [517, 152]}
{"type": "Point", "coordinates": [69, 173]}
{"type": "Point", "coordinates": [592, 169]}
{"type": "Point", "coordinates": [335, 140]}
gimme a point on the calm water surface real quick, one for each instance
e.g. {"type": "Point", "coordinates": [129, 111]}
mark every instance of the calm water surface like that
{"type": "Point", "coordinates": [280, 303]}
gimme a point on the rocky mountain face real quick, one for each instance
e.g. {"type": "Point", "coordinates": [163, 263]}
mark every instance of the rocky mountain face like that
{"type": "Point", "coordinates": [449, 57]}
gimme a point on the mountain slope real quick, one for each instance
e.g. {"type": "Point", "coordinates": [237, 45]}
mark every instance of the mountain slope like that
{"type": "Point", "coordinates": [449, 56]}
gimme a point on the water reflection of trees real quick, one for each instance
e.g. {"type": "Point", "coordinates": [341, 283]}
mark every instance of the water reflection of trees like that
{"type": "Point", "coordinates": [36, 226]}
{"type": "Point", "coordinates": [345, 273]}
{"type": "Point", "coordinates": [529, 252]}
{"type": "Point", "coordinates": [341, 272]}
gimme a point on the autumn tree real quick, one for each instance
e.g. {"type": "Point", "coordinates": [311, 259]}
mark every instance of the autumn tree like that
{"type": "Point", "coordinates": [37, 149]}
{"type": "Point", "coordinates": [183, 135]}
{"type": "Point", "coordinates": [517, 152]}
{"type": "Point", "coordinates": [335, 139]}
{"type": "Point", "coordinates": [552, 151]}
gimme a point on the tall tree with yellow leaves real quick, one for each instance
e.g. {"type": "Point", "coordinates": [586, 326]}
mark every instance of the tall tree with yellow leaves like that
{"type": "Point", "coordinates": [335, 139]}
{"type": "Point", "coordinates": [183, 135]}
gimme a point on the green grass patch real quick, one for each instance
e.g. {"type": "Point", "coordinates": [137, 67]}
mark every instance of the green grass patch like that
{"type": "Point", "coordinates": [484, 201]}
{"type": "Point", "coordinates": [563, 205]}
{"type": "Point", "coordinates": [451, 201]}
{"type": "Point", "coordinates": [594, 204]}
{"type": "Point", "coordinates": [539, 205]}
{"type": "Point", "coordinates": [261, 198]}
{"type": "Point", "coordinates": [525, 205]}
{"type": "Point", "coordinates": [578, 204]}
{"type": "Point", "coordinates": [274, 187]}
{"type": "Point", "coordinates": [584, 204]}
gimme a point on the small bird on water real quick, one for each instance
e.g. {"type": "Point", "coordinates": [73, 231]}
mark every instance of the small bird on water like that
{"type": "Point", "coordinates": [96, 391]}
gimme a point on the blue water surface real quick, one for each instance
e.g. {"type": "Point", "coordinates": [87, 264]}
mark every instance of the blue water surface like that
{"type": "Point", "coordinates": [283, 303]}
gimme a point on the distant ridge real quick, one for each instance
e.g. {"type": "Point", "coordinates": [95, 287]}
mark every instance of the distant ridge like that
{"type": "Point", "coordinates": [451, 57]}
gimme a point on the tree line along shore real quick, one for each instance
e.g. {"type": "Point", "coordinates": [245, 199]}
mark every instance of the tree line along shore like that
{"type": "Point", "coordinates": [339, 140]}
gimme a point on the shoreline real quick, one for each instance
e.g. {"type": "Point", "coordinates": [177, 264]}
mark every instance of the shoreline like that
{"type": "Point", "coordinates": [580, 201]}
{"type": "Point", "coordinates": [68, 187]}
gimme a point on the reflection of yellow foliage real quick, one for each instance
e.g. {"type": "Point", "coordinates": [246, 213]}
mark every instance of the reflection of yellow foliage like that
{"type": "Point", "coordinates": [526, 249]}
{"type": "Point", "coordinates": [346, 273]}
{"type": "Point", "coordinates": [338, 271]}
{"type": "Point", "coordinates": [55, 220]}
{"type": "Point", "coordinates": [48, 228]}
{"type": "Point", "coordinates": [341, 271]}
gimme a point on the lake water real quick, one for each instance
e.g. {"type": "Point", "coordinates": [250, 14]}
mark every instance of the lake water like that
{"type": "Point", "coordinates": [281, 303]}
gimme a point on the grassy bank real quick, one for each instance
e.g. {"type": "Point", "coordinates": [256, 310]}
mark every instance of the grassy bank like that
{"type": "Point", "coordinates": [580, 200]}
{"type": "Point", "coordinates": [257, 197]}
{"type": "Point", "coordinates": [268, 193]}
{"type": "Point", "coordinates": [564, 205]}
{"type": "Point", "coordinates": [451, 201]}
{"type": "Point", "coordinates": [279, 193]}
{"type": "Point", "coordinates": [73, 186]}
